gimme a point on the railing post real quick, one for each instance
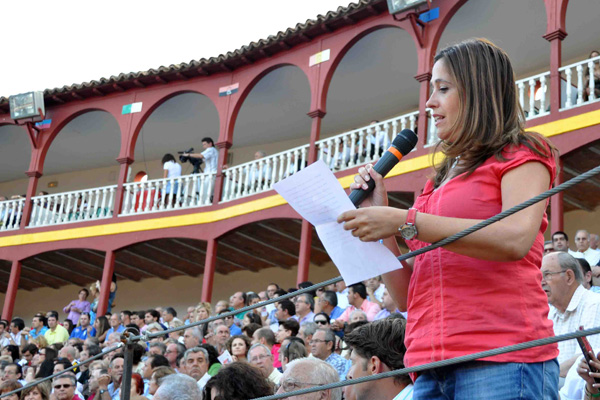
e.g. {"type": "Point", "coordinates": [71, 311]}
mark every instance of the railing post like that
{"type": "Point", "coordinates": [555, 38]}
{"type": "Point", "coordinates": [209, 270]}
{"type": "Point", "coordinates": [34, 177]}
{"type": "Point", "coordinates": [127, 371]}
{"type": "Point", "coordinates": [315, 133]}
{"type": "Point", "coordinates": [223, 148]}
{"type": "Point", "coordinates": [11, 292]}
{"type": "Point", "coordinates": [125, 162]}
{"type": "Point", "coordinates": [422, 122]}
{"type": "Point", "coordinates": [304, 253]}
{"type": "Point", "coordinates": [107, 274]}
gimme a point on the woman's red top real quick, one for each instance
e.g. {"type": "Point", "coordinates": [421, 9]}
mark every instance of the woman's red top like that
{"type": "Point", "coordinates": [458, 305]}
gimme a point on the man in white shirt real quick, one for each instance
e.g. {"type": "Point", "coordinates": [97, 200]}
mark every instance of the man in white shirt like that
{"type": "Point", "coordinates": [210, 155]}
{"type": "Point", "coordinates": [571, 305]}
{"type": "Point", "coordinates": [260, 356]}
{"type": "Point", "coordinates": [195, 364]}
{"type": "Point", "coordinates": [378, 347]}
{"type": "Point", "coordinates": [582, 242]}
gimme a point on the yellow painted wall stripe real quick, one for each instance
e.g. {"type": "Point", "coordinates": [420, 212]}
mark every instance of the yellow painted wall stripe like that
{"type": "Point", "coordinates": [205, 217]}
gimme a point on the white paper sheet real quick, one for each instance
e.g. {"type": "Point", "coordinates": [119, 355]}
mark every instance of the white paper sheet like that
{"type": "Point", "coordinates": [318, 197]}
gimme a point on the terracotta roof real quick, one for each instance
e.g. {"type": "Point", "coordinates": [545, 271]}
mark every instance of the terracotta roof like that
{"type": "Point", "coordinates": [228, 62]}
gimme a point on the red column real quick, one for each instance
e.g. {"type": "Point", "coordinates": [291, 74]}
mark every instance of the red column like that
{"type": "Point", "coordinates": [209, 270]}
{"type": "Point", "coordinates": [125, 163]}
{"type": "Point", "coordinates": [555, 38]}
{"type": "Point", "coordinates": [556, 206]}
{"type": "Point", "coordinates": [34, 177]}
{"type": "Point", "coordinates": [223, 152]}
{"type": "Point", "coordinates": [11, 292]}
{"type": "Point", "coordinates": [306, 233]}
{"type": "Point", "coordinates": [422, 123]}
{"type": "Point", "coordinates": [107, 273]}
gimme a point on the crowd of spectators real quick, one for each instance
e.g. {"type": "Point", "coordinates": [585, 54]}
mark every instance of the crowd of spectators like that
{"type": "Point", "coordinates": [315, 338]}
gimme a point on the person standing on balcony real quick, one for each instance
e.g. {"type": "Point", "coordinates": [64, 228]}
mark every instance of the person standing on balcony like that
{"type": "Point", "coordinates": [210, 155]}
{"type": "Point", "coordinates": [76, 307]}
{"type": "Point", "coordinates": [468, 296]}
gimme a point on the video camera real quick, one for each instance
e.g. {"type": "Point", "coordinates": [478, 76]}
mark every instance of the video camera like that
{"type": "Point", "coordinates": [196, 162]}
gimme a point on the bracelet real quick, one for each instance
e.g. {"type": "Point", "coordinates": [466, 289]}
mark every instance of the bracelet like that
{"type": "Point", "coordinates": [589, 394]}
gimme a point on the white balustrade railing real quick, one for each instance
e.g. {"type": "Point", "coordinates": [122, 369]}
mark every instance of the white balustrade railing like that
{"type": "Point", "coordinates": [583, 87]}
{"type": "Point", "coordinates": [260, 175]}
{"type": "Point", "coordinates": [166, 194]}
{"type": "Point", "coordinates": [363, 145]}
{"type": "Point", "coordinates": [432, 137]}
{"type": "Point", "coordinates": [10, 214]}
{"type": "Point", "coordinates": [76, 206]}
{"type": "Point", "coordinates": [534, 95]}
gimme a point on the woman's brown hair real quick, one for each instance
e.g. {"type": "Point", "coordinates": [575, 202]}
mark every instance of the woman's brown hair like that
{"type": "Point", "coordinates": [490, 115]}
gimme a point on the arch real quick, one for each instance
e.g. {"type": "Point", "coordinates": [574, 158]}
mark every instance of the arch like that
{"type": "Point", "coordinates": [580, 40]}
{"type": "Point", "coordinates": [67, 159]}
{"type": "Point", "coordinates": [129, 151]}
{"type": "Point", "coordinates": [15, 152]}
{"type": "Point", "coordinates": [248, 89]}
{"type": "Point", "coordinates": [342, 53]}
{"type": "Point", "coordinates": [373, 80]}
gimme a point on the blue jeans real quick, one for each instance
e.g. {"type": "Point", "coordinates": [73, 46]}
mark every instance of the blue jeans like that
{"type": "Point", "coordinates": [489, 380]}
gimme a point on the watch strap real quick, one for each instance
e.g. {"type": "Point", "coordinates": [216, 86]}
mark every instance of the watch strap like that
{"type": "Point", "coordinates": [411, 216]}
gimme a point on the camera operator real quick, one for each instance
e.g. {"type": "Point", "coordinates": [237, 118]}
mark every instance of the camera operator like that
{"type": "Point", "coordinates": [210, 155]}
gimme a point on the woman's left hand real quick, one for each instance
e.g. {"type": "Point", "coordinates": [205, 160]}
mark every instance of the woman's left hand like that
{"type": "Point", "coordinates": [373, 223]}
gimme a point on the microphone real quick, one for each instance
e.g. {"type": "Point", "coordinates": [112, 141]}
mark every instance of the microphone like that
{"type": "Point", "coordinates": [403, 143]}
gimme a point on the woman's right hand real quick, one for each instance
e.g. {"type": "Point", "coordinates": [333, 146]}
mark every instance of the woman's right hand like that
{"type": "Point", "coordinates": [379, 195]}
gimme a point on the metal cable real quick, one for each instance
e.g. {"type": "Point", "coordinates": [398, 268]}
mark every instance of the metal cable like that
{"type": "Point", "coordinates": [89, 360]}
{"type": "Point", "coordinates": [440, 364]}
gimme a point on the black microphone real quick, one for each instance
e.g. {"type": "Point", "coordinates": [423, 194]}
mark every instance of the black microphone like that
{"type": "Point", "coordinates": [403, 143]}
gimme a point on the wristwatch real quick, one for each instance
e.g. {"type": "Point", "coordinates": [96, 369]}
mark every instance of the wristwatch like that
{"type": "Point", "coordinates": [102, 391]}
{"type": "Point", "coordinates": [408, 231]}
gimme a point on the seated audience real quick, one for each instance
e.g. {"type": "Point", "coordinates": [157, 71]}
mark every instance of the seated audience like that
{"type": "Point", "coordinates": [238, 347]}
{"type": "Point", "coordinates": [308, 372]}
{"type": "Point", "coordinates": [260, 356]}
{"type": "Point", "coordinates": [238, 381]}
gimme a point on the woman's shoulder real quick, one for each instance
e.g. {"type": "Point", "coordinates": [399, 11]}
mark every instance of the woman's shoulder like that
{"type": "Point", "coordinates": [514, 156]}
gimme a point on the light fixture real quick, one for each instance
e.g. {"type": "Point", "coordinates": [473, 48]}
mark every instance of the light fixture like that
{"type": "Point", "coordinates": [27, 105]}
{"type": "Point", "coordinates": [396, 6]}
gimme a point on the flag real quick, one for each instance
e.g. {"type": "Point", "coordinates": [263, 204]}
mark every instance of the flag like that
{"type": "Point", "coordinates": [320, 57]}
{"type": "Point", "coordinates": [132, 108]}
{"type": "Point", "coordinates": [228, 90]}
{"type": "Point", "coordinates": [45, 124]}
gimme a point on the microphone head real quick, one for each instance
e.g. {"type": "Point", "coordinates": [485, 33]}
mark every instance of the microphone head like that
{"type": "Point", "coordinates": [405, 141]}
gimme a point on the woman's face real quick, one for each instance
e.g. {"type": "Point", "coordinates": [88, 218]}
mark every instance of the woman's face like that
{"type": "Point", "coordinates": [245, 321]}
{"type": "Point", "coordinates": [34, 395]}
{"type": "Point", "coordinates": [594, 54]}
{"type": "Point", "coordinates": [153, 386]}
{"type": "Point", "coordinates": [238, 347]}
{"type": "Point", "coordinates": [201, 313]}
{"type": "Point", "coordinates": [444, 100]}
{"type": "Point", "coordinates": [82, 295]}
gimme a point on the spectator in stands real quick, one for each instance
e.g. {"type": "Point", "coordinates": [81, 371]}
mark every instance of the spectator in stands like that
{"type": "Point", "coordinates": [328, 302]}
{"type": "Point", "coordinates": [173, 351]}
{"type": "Point", "coordinates": [285, 310]}
{"type": "Point", "coordinates": [13, 371]}
{"type": "Point", "coordinates": [322, 346]}
{"type": "Point", "coordinates": [389, 306]}
{"type": "Point", "coordinates": [178, 387]}
{"type": "Point", "coordinates": [560, 241]}
{"type": "Point", "coordinates": [68, 325]}
{"type": "Point", "coordinates": [70, 353]}
{"type": "Point", "coordinates": [29, 351]}
{"type": "Point", "coordinates": [375, 290]}
{"type": "Point", "coordinates": [170, 317]}
{"type": "Point", "coordinates": [238, 381]}
{"type": "Point", "coordinates": [260, 356]}
{"type": "Point", "coordinates": [139, 319]}
{"type": "Point", "coordinates": [213, 359]}
{"type": "Point", "coordinates": [378, 347]}
{"type": "Point", "coordinates": [572, 305]}
{"type": "Point", "coordinates": [157, 376]}
{"type": "Point", "coordinates": [251, 318]}
{"type": "Point", "coordinates": [357, 298]}
{"type": "Point", "coordinates": [125, 317]}
{"type": "Point", "coordinates": [582, 242]}
{"type": "Point", "coordinates": [238, 347]}
{"type": "Point", "coordinates": [37, 392]}
{"type": "Point", "coordinates": [115, 325]}
{"type": "Point", "coordinates": [305, 305]}
{"type": "Point", "coordinates": [11, 350]}
{"type": "Point", "coordinates": [115, 370]}
{"type": "Point", "coordinates": [222, 335]}
{"type": "Point", "coordinates": [306, 332]}
{"type": "Point", "coordinates": [594, 241]}
{"type": "Point", "coordinates": [342, 294]}
{"type": "Point", "coordinates": [38, 326]}
{"type": "Point", "coordinates": [83, 329]}
{"type": "Point", "coordinates": [64, 387]}
{"type": "Point", "coordinates": [249, 329]}
{"type": "Point", "coordinates": [587, 275]}
{"type": "Point", "coordinates": [196, 365]}
{"type": "Point", "coordinates": [595, 75]}
{"type": "Point", "coordinates": [548, 247]}
{"type": "Point", "coordinates": [171, 169]}
{"type": "Point", "coordinates": [210, 155]}
{"type": "Point", "coordinates": [309, 372]}
{"type": "Point", "coordinates": [76, 307]}
{"type": "Point", "coordinates": [236, 301]}
{"type": "Point", "coordinates": [357, 315]}
{"type": "Point", "coordinates": [157, 348]}
{"type": "Point", "coordinates": [322, 319]}
{"type": "Point", "coordinates": [16, 331]}
{"type": "Point", "coordinates": [8, 386]}
{"type": "Point", "coordinates": [286, 329]}
{"type": "Point", "coordinates": [228, 321]}
{"type": "Point", "coordinates": [221, 305]}
{"type": "Point", "coordinates": [153, 362]}
{"type": "Point", "coordinates": [101, 327]}
{"type": "Point", "coordinates": [55, 333]}
{"type": "Point", "coordinates": [152, 316]}
{"type": "Point", "coordinates": [271, 289]}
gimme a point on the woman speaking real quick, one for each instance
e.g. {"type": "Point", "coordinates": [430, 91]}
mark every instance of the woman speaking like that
{"type": "Point", "coordinates": [482, 291]}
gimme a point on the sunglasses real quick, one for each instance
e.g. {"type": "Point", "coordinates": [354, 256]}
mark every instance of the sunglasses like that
{"type": "Point", "coordinates": [65, 386]}
{"type": "Point", "coordinates": [321, 322]}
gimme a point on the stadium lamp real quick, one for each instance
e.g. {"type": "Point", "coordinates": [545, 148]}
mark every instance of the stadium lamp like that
{"type": "Point", "coordinates": [27, 105]}
{"type": "Point", "coordinates": [396, 6]}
